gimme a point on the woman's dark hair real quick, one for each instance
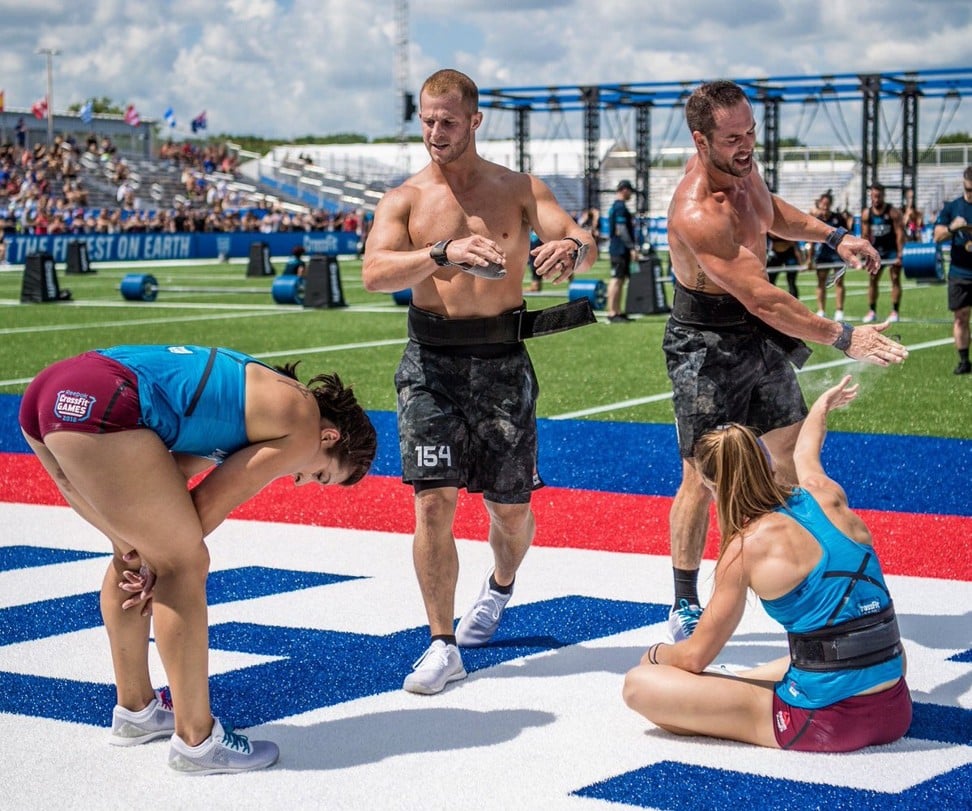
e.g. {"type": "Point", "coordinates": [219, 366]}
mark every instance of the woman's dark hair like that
{"type": "Point", "coordinates": [337, 403]}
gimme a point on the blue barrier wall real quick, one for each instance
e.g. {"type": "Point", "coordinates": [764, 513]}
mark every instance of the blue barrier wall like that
{"type": "Point", "coordinates": [138, 247]}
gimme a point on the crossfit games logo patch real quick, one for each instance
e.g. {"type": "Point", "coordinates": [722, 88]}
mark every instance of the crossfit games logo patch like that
{"type": "Point", "coordinates": [73, 406]}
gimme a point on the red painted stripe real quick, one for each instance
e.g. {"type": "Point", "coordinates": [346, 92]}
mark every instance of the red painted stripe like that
{"type": "Point", "coordinates": [938, 546]}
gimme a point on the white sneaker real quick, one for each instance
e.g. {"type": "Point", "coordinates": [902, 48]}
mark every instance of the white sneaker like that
{"type": "Point", "coordinates": [894, 317]}
{"type": "Point", "coordinates": [439, 665]}
{"type": "Point", "coordinates": [223, 752]}
{"type": "Point", "coordinates": [682, 620]}
{"type": "Point", "coordinates": [821, 313]}
{"type": "Point", "coordinates": [480, 622]}
{"type": "Point", "coordinates": [155, 721]}
{"type": "Point", "coordinates": [838, 315]}
{"type": "Point", "coordinates": [869, 317]}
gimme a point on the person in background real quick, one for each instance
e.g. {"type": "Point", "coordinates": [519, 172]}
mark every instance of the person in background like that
{"type": "Point", "coordinates": [785, 254]}
{"type": "Point", "coordinates": [954, 223]}
{"type": "Point", "coordinates": [826, 260]}
{"type": "Point", "coordinates": [810, 560]}
{"type": "Point", "coordinates": [622, 248]}
{"type": "Point", "coordinates": [883, 226]}
{"type": "Point", "coordinates": [536, 280]}
{"type": "Point", "coordinates": [914, 218]}
{"type": "Point", "coordinates": [590, 220]}
{"type": "Point", "coordinates": [121, 431]}
{"type": "Point", "coordinates": [295, 264]}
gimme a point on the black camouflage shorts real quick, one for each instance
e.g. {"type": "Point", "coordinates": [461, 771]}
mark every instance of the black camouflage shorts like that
{"type": "Point", "coordinates": [728, 376]}
{"type": "Point", "coordinates": [468, 421]}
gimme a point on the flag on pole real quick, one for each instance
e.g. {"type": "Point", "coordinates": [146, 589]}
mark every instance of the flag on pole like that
{"type": "Point", "coordinates": [131, 116]}
{"type": "Point", "coordinates": [199, 122]}
{"type": "Point", "coordinates": [39, 108]}
{"type": "Point", "coordinates": [86, 113]}
{"type": "Point", "coordinates": [169, 116]}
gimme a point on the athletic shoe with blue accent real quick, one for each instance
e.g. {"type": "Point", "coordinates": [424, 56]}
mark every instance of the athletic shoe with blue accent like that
{"type": "Point", "coordinates": [440, 664]}
{"type": "Point", "coordinates": [682, 620]}
{"type": "Point", "coordinates": [223, 752]}
{"type": "Point", "coordinates": [155, 721]}
{"type": "Point", "coordinates": [479, 623]}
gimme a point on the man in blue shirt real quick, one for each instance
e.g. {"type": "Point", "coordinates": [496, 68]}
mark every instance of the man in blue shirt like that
{"type": "Point", "coordinates": [622, 249]}
{"type": "Point", "coordinates": [955, 223]}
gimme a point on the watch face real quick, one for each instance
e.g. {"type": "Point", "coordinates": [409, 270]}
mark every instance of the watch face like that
{"type": "Point", "coordinates": [438, 253]}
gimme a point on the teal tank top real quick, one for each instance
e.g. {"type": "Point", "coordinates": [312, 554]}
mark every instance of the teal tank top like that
{"type": "Point", "coordinates": [846, 584]}
{"type": "Point", "coordinates": [193, 397]}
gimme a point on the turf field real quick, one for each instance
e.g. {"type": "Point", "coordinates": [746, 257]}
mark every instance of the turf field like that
{"type": "Point", "coordinates": [604, 372]}
{"type": "Point", "coordinates": [315, 616]}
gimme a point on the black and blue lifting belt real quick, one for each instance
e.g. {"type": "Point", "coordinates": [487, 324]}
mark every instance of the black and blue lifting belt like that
{"type": "Point", "coordinates": [851, 645]}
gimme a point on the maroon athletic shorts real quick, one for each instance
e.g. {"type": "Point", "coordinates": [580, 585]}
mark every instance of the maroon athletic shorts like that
{"type": "Point", "coordinates": [89, 393]}
{"type": "Point", "coordinates": [850, 724]}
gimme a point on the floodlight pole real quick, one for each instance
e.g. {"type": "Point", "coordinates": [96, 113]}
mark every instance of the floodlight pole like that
{"type": "Point", "coordinates": [50, 53]}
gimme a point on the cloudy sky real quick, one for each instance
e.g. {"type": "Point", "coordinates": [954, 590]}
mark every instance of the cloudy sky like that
{"type": "Point", "coordinates": [284, 68]}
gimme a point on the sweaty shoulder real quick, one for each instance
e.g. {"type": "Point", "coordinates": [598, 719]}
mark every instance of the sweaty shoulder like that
{"type": "Point", "coordinates": [696, 214]}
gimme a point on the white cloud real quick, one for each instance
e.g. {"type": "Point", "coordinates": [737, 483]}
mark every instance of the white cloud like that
{"type": "Point", "coordinates": [284, 68]}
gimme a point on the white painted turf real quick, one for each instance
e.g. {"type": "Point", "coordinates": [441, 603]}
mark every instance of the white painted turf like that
{"type": "Point", "coordinates": [524, 735]}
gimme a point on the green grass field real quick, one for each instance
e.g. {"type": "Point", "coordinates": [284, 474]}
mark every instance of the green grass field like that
{"type": "Point", "coordinates": [600, 372]}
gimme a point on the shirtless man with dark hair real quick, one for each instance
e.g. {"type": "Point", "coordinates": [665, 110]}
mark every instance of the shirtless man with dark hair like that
{"type": "Point", "coordinates": [733, 337]}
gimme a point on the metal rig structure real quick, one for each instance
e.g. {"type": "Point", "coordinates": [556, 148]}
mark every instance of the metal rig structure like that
{"type": "Point", "coordinates": [768, 94]}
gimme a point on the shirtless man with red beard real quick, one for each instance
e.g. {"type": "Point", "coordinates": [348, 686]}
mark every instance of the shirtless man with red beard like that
{"type": "Point", "coordinates": [733, 338]}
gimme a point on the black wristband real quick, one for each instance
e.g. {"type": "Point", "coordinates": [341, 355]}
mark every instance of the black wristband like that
{"type": "Point", "coordinates": [438, 253]}
{"type": "Point", "coordinates": [834, 237]}
{"type": "Point", "coordinates": [843, 341]}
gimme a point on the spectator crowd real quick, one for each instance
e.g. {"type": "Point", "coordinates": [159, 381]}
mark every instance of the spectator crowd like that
{"type": "Point", "coordinates": [46, 190]}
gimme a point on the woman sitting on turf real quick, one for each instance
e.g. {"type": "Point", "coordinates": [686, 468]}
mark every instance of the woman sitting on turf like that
{"type": "Point", "coordinates": [120, 431]}
{"type": "Point", "coordinates": [809, 559]}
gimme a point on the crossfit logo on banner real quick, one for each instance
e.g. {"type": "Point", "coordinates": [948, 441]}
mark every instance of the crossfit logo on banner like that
{"type": "Point", "coordinates": [73, 406]}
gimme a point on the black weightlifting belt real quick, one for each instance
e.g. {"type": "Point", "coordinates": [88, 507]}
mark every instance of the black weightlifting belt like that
{"type": "Point", "coordinates": [851, 645]}
{"type": "Point", "coordinates": [512, 327]}
{"type": "Point", "coordinates": [707, 311]}
{"type": "Point", "coordinates": [724, 312]}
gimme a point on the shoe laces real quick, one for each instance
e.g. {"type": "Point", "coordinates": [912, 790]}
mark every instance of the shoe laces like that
{"type": "Point", "coordinates": [234, 740]}
{"type": "Point", "coordinates": [487, 609]}
{"type": "Point", "coordinates": [440, 652]}
{"type": "Point", "coordinates": [688, 616]}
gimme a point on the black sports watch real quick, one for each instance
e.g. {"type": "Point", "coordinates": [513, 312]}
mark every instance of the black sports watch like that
{"type": "Point", "coordinates": [843, 341]}
{"type": "Point", "coordinates": [581, 251]}
{"type": "Point", "coordinates": [834, 237]}
{"type": "Point", "coordinates": [438, 253]}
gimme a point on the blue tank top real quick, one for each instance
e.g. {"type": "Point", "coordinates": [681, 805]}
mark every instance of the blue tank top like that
{"type": "Point", "coordinates": [826, 254]}
{"type": "Point", "coordinates": [846, 584]}
{"type": "Point", "coordinates": [193, 397]}
{"type": "Point", "coordinates": [882, 232]}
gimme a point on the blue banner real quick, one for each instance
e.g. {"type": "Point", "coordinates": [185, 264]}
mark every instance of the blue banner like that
{"type": "Point", "coordinates": [149, 247]}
